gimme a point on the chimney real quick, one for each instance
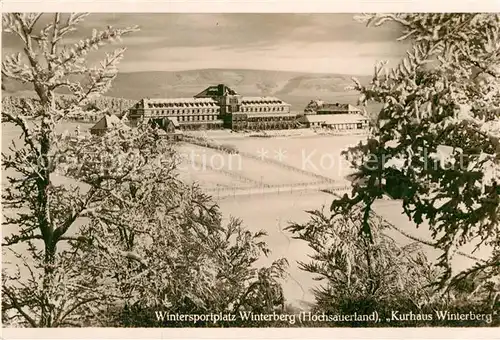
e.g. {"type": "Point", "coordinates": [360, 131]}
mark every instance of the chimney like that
{"type": "Point", "coordinates": [220, 89]}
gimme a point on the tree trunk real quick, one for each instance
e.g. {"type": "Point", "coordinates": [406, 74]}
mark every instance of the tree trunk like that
{"type": "Point", "coordinates": [44, 220]}
{"type": "Point", "coordinates": [48, 307]}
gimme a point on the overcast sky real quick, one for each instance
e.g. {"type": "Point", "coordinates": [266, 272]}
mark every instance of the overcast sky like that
{"type": "Point", "coordinates": [323, 43]}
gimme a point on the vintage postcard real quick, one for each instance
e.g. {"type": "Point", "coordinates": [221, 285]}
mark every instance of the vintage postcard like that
{"type": "Point", "coordinates": [267, 170]}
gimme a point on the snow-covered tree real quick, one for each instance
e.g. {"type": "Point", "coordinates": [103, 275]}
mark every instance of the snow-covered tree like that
{"type": "Point", "coordinates": [95, 224]}
{"type": "Point", "coordinates": [360, 275]}
{"type": "Point", "coordinates": [44, 212]}
{"type": "Point", "coordinates": [313, 106]}
{"type": "Point", "coordinates": [438, 133]}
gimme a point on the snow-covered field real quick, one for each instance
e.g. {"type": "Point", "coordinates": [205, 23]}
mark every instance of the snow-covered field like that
{"type": "Point", "coordinates": [201, 160]}
{"type": "Point", "coordinates": [316, 154]}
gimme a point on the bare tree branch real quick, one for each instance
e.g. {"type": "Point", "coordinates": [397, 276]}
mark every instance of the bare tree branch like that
{"type": "Point", "coordinates": [15, 304]}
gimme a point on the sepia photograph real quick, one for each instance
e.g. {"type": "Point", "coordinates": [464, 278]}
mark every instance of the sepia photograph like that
{"type": "Point", "coordinates": [250, 170]}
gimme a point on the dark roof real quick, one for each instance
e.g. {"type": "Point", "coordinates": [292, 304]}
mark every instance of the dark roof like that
{"type": "Point", "coordinates": [336, 107]}
{"type": "Point", "coordinates": [174, 121]}
{"type": "Point", "coordinates": [216, 91]}
{"type": "Point", "coordinates": [261, 100]}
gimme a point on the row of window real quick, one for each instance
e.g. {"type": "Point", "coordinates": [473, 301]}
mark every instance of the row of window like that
{"type": "Point", "coordinates": [180, 111]}
{"type": "Point", "coordinates": [257, 126]}
{"type": "Point", "coordinates": [347, 126]}
{"type": "Point", "coordinates": [196, 118]}
{"type": "Point", "coordinates": [160, 105]}
{"type": "Point", "coordinates": [263, 109]}
{"type": "Point", "coordinates": [270, 119]}
{"type": "Point", "coordinates": [202, 126]}
{"type": "Point", "coordinates": [271, 124]}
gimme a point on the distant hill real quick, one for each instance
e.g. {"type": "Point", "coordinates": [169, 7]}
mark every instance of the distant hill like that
{"type": "Point", "coordinates": [295, 88]}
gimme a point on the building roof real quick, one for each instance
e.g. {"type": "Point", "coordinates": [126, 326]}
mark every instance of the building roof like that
{"type": "Point", "coordinates": [261, 101]}
{"type": "Point", "coordinates": [336, 107]}
{"type": "Point", "coordinates": [216, 91]}
{"type": "Point", "coordinates": [107, 122]}
{"type": "Point", "coordinates": [335, 118]}
{"type": "Point", "coordinates": [174, 121]}
{"type": "Point", "coordinates": [179, 102]}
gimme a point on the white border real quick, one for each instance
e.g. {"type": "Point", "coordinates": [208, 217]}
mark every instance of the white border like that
{"type": "Point", "coordinates": [255, 6]}
{"type": "Point", "coordinates": [252, 333]}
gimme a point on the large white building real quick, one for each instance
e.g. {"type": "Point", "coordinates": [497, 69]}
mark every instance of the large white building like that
{"type": "Point", "coordinates": [217, 107]}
